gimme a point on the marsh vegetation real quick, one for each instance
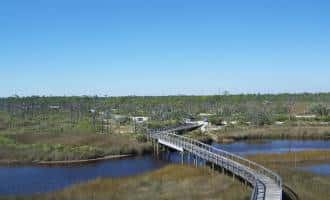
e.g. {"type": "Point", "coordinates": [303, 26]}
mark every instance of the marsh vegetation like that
{"type": "Point", "coordinates": [34, 129]}
{"type": "Point", "coordinates": [33, 148]}
{"type": "Point", "coordinates": [171, 182]}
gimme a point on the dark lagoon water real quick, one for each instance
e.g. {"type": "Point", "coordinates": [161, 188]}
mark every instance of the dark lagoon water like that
{"type": "Point", "coordinates": [27, 180]}
{"type": "Point", "coordinates": [273, 146]}
{"type": "Point", "coordinates": [321, 169]}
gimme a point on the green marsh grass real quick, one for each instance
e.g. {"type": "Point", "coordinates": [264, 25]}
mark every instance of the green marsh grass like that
{"type": "Point", "coordinates": [30, 148]}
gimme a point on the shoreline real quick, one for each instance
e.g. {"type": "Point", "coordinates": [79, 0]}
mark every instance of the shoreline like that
{"type": "Point", "coordinates": [63, 162]}
{"type": "Point", "coordinates": [66, 162]}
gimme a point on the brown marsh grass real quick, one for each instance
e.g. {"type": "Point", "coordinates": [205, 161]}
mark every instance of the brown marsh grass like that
{"type": "Point", "coordinates": [27, 147]}
{"type": "Point", "coordinates": [300, 156]}
{"type": "Point", "coordinates": [171, 182]}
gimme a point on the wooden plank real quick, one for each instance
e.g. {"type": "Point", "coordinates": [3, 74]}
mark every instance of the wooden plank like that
{"type": "Point", "coordinates": [170, 145]}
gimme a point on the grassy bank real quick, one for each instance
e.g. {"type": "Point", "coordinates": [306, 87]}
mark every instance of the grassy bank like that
{"type": "Point", "coordinates": [232, 134]}
{"type": "Point", "coordinates": [272, 132]}
{"type": "Point", "coordinates": [302, 156]}
{"type": "Point", "coordinates": [171, 182]}
{"type": "Point", "coordinates": [29, 148]}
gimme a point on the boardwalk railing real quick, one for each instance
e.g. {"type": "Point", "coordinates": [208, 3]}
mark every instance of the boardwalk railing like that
{"type": "Point", "coordinates": [172, 129]}
{"type": "Point", "coordinates": [250, 171]}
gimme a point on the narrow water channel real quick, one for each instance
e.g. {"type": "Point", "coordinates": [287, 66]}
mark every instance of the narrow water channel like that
{"type": "Point", "coordinates": [28, 180]}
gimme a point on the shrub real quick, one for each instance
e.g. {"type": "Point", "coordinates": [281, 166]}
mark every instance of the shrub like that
{"type": "Point", "coordinates": [141, 138]}
{"type": "Point", "coordinates": [320, 109]}
{"type": "Point", "coordinates": [281, 117]}
{"type": "Point", "coordinates": [260, 118]}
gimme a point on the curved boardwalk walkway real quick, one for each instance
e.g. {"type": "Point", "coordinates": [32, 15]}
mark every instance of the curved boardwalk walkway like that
{"type": "Point", "coordinates": [266, 184]}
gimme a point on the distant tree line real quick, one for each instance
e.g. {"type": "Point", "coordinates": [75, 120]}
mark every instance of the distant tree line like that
{"type": "Point", "coordinates": [259, 109]}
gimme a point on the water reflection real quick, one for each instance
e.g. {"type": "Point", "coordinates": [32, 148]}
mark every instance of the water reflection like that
{"type": "Point", "coordinates": [321, 169]}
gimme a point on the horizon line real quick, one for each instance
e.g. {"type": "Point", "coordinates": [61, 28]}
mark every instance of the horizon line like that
{"type": "Point", "coordinates": [170, 95]}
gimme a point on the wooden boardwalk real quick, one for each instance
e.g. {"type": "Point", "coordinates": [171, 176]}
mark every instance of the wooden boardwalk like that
{"type": "Point", "coordinates": [266, 184]}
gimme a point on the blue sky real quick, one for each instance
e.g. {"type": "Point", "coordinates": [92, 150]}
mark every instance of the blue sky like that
{"type": "Point", "coordinates": [163, 47]}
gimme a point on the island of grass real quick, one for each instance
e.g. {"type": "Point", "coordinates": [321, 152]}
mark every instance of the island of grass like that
{"type": "Point", "coordinates": [39, 148]}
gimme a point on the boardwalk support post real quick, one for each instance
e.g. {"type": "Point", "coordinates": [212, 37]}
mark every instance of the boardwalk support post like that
{"type": "Point", "coordinates": [188, 157]}
{"type": "Point", "coordinates": [157, 148]}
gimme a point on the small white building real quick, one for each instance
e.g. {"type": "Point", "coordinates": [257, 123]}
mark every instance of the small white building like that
{"type": "Point", "coordinates": [204, 126]}
{"type": "Point", "coordinates": [279, 123]}
{"type": "Point", "coordinates": [53, 107]}
{"type": "Point", "coordinates": [233, 122]}
{"type": "Point", "coordinates": [140, 119]}
{"type": "Point", "coordinates": [206, 114]}
{"type": "Point", "coordinates": [92, 111]}
{"type": "Point", "coordinates": [305, 116]}
{"type": "Point", "coordinates": [188, 121]}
